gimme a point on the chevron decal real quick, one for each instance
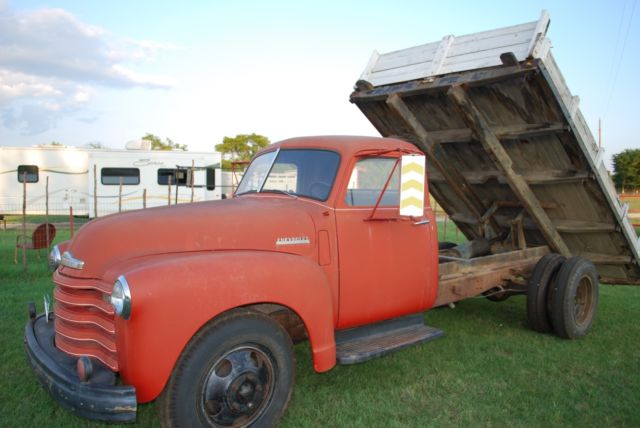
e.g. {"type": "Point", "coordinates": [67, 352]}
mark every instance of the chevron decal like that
{"type": "Point", "coordinates": [412, 186]}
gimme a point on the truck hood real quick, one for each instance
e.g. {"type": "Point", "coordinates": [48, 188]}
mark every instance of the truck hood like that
{"type": "Point", "coordinates": [262, 223]}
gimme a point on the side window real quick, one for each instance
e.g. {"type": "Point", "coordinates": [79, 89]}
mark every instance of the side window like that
{"type": "Point", "coordinates": [112, 176]}
{"type": "Point", "coordinates": [175, 176]}
{"type": "Point", "coordinates": [31, 172]}
{"type": "Point", "coordinates": [367, 181]}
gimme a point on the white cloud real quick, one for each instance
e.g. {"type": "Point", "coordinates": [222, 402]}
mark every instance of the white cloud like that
{"type": "Point", "coordinates": [51, 63]}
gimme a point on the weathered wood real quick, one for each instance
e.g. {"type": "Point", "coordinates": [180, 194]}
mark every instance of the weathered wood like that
{"type": "Point", "coordinates": [437, 158]}
{"type": "Point", "coordinates": [460, 280]}
{"type": "Point", "coordinates": [580, 226]}
{"type": "Point", "coordinates": [605, 259]}
{"type": "Point", "coordinates": [437, 84]}
{"type": "Point", "coordinates": [511, 132]}
{"type": "Point", "coordinates": [556, 176]}
{"type": "Point", "coordinates": [476, 121]}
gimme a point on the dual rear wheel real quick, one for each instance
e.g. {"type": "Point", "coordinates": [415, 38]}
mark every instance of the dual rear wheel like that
{"type": "Point", "coordinates": [562, 296]}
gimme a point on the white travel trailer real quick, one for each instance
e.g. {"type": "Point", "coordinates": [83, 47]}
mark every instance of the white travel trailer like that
{"type": "Point", "coordinates": [116, 179]}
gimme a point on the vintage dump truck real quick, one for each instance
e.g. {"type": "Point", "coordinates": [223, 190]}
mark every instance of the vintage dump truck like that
{"type": "Point", "coordinates": [333, 239]}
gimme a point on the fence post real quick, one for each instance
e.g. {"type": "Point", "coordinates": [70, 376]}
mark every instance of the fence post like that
{"type": "Point", "coordinates": [95, 192]}
{"type": "Point", "coordinates": [24, 221]}
{"type": "Point", "coordinates": [169, 189]}
{"type": "Point", "coordinates": [46, 210]}
{"type": "Point", "coordinates": [193, 164]}
{"type": "Point", "coordinates": [144, 199]}
{"type": "Point", "coordinates": [71, 220]}
{"type": "Point", "coordinates": [120, 196]}
{"type": "Point", "coordinates": [177, 181]}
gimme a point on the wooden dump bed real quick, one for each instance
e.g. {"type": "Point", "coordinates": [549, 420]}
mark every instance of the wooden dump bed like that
{"type": "Point", "coordinates": [509, 153]}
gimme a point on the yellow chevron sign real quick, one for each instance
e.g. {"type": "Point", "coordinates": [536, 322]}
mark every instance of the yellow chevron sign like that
{"type": "Point", "coordinates": [412, 186]}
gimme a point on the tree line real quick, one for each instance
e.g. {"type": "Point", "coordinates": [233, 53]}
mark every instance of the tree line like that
{"type": "Point", "coordinates": [626, 170]}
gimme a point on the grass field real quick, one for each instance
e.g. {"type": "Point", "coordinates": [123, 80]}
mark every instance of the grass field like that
{"type": "Point", "coordinates": [489, 370]}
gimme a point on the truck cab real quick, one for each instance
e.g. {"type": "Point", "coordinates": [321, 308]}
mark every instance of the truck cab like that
{"type": "Point", "coordinates": [205, 300]}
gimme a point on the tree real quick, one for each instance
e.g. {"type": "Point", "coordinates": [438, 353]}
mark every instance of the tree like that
{"type": "Point", "coordinates": [167, 144]}
{"type": "Point", "coordinates": [626, 169]}
{"type": "Point", "coordinates": [242, 147]}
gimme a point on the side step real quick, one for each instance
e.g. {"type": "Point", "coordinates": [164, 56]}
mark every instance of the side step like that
{"type": "Point", "coordinates": [359, 344]}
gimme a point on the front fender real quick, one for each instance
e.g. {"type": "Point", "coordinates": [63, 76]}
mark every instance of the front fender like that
{"type": "Point", "coordinates": [174, 296]}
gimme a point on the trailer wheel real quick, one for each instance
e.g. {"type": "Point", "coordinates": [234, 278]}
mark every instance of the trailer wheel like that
{"type": "Point", "coordinates": [236, 371]}
{"type": "Point", "coordinates": [575, 298]}
{"type": "Point", "coordinates": [538, 301]}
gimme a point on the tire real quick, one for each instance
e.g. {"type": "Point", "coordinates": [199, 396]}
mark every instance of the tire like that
{"type": "Point", "coordinates": [575, 299]}
{"type": "Point", "coordinates": [237, 371]}
{"type": "Point", "coordinates": [538, 302]}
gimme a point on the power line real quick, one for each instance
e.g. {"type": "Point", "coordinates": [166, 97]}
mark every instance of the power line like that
{"type": "Point", "coordinates": [621, 57]}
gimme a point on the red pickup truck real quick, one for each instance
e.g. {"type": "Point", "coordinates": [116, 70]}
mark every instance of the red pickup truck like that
{"type": "Point", "coordinates": [199, 304]}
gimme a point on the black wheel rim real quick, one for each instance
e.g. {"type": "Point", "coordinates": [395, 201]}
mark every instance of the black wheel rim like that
{"type": "Point", "coordinates": [238, 388]}
{"type": "Point", "coordinates": [583, 302]}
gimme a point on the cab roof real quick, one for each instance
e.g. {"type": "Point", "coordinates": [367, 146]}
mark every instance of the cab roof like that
{"type": "Point", "coordinates": [346, 146]}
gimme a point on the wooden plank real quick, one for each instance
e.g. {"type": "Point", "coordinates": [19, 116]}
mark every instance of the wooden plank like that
{"type": "Point", "coordinates": [512, 132]}
{"type": "Point", "coordinates": [578, 226]}
{"type": "Point", "coordinates": [471, 51]}
{"type": "Point", "coordinates": [460, 280]}
{"type": "Point", "coordinates": [471, 78]}
{"type": "Point", "coordinates": [477, 122]}
{"type": "Point", "coordinates": [555, 176]}
{"type": "Point", "coordinates": [437, 158]}
{"type": "Point", "coordinates": [605, 259]}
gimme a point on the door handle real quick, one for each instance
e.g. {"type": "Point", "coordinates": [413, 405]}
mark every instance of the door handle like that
{"type": "Point", "coordinates": [421, 222]}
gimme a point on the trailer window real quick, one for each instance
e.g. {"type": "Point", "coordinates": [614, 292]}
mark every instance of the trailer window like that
{"type": "Point", "coordinates": [28, 173]}
{"type": "Point", "coordinates": [367, 181]}
{"type": "Point", "coordinates": [173, 176]}
{"type": "Point", "coordinates": [211, 179]}
{"type": "Point", "coordinates": [112, 176]}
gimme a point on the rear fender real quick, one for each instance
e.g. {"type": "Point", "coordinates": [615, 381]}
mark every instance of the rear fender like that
{"type": "Point", "coordinates": [174, 296]}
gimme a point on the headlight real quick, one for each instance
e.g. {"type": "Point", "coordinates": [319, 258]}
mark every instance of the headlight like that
{"type": "Point", "coordinates": [55, 258]}
{"type": "Point", "coordinates": [121, 298]}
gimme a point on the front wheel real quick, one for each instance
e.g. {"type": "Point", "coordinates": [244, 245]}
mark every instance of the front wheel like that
{"type": "Point", "coordinates": [237, 371]}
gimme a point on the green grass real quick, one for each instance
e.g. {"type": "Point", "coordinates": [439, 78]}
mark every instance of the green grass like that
{"type": "Point", "coordinates": [489, 370]}
{"type": "Point", "coordinates": [633, 201]}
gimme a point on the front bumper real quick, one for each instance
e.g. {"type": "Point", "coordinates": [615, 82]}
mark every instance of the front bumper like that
{"type": "Point", "coordinates": [99, 398]}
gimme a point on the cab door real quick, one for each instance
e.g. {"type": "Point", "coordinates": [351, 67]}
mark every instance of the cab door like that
{"type": "Point", "coordinates": [386, 261]}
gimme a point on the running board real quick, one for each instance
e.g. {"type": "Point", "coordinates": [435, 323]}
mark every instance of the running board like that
{"type": "Point", "coordinates": [359, 344]}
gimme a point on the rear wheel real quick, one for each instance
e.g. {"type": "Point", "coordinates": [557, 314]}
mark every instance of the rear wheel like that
{"type": "Point", "coordinates": [538, 301]}
{"type": "Point", "coordinates": [575, 298]}
{"type": "Point", "coordinates": [237, 371]}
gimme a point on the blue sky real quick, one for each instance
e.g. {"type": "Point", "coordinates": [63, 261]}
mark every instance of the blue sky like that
{"type": "Point", "coordinates": [196, 71]}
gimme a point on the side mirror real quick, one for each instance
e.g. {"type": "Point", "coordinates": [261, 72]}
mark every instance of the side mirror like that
{"type": "Point", "coordinates": [412, 181]}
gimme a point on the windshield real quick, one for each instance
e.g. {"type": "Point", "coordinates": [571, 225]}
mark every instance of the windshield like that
{"type": "Point", "coordinates": [297, 172]}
